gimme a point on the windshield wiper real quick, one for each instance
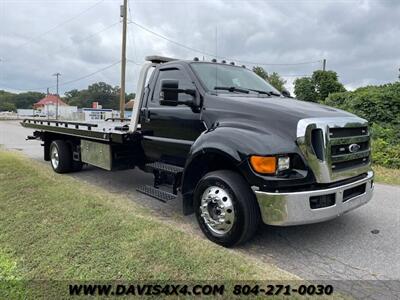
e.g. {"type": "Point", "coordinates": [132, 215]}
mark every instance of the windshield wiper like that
{"type": "Point", "coordinates": [275, 94]}
{"type": "Point", "coordinates": [246, 91]}
{"type": "Point", "coordinates": [270, 93]}
{"type": "Point", "coordinates": [231, 89]}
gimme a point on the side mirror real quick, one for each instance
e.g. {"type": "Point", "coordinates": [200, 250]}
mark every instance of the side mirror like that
{"type": "Point", "coordinates": [286, 94]}
{"type": "Point", "coordinates": [170, 91]}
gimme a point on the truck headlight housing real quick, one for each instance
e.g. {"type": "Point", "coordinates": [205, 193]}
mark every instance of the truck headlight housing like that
{"type": "Point", "coordinates": [269, 165]}
{"type": "Point", "coordinates": [283, 163]}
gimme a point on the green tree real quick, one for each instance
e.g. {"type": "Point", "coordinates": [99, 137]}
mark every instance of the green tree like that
{"type": "Point", "coordinates": [318, 87]}
{"type": "Point", "coordinates": [304, 89]}
{"type": "Point", "coordinates": [377, 104]}
{"type": "Point", "coordinates": [130, 96]}
{"type": "Point", "coordinates": [326, 82]}
{"type": "Point", "coordinates": [21, 100]}
{"type": "Point", "coordinates": [274, 79]}
{"type": "Point", "coordinates": [277, 81]}
{"type": "Point", "coordinates": [26, 100]}
{"type": "Point", "coordinates": [380, 105]}
{"type": "Point", "coordinates": [106, 94]}
{"type": "Point", "coordinates": [71, 94]}
{"type": "Point", "coordinates": [260, 72]}
{"type": "Point", "coordinates": [7, 106]}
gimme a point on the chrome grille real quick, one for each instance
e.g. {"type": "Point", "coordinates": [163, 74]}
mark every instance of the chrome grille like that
{"type": "Point", "coordinates": [341, 141]}
{"type": "Point", "coordinates": [335, 148]}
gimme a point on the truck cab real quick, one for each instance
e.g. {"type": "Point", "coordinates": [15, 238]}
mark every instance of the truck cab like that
{"type": "Point", "coordinates": [233, 149]}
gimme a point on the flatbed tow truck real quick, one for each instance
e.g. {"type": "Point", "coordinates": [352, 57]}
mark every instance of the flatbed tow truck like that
{"type": "Point", "coordinates": [228, 145]}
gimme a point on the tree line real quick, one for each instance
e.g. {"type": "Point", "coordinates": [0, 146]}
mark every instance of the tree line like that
{"type": "Point", "coordinates": [106, 94]}
{"type": "Point", "coordinates": [379, 104]}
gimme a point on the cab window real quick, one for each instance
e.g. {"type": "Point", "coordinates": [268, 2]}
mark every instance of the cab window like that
{"type": "Point", "coordinates": [174, 74]}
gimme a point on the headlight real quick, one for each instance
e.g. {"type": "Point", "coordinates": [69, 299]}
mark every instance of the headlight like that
{"type": "Point", "coordinates": [283, 163]}
{"type": "Point", "coordinates": [269, 164]}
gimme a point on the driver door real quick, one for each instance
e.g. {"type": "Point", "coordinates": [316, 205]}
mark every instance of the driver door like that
{"type": "Point", "coordinates": [170, 131]}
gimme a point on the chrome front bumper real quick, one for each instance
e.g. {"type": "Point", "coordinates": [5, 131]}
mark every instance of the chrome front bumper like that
{"type": "Point", "coordinates": [284, 209]}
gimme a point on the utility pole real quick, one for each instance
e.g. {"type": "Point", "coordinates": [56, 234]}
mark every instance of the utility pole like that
{"type": "Point", "coordinates": [123, 59]}
{"type": "Point", "coordinates": [324, 64]}
{"type": "Point", "coordinates": [57, 75]}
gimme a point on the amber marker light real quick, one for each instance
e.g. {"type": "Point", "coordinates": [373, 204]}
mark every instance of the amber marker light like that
{"type": "Point", "coordinates": [263, 164]}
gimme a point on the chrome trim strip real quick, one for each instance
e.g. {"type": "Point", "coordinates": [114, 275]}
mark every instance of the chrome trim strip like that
{"type": "Point", "coordinates": [285, 209]}
{"type": "Point", "coordinates": [350, 156]}
{"type": "Point", "coordinates": [349, 140]}
{"type": "Point", "coordinates": [167, 140]}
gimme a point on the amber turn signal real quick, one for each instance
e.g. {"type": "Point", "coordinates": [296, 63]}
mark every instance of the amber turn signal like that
{"type": "Point", "coordinates": [263, 164]}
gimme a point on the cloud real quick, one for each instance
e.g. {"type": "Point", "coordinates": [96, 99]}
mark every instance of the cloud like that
{"type": "Point", "coordinates": [359, 39]}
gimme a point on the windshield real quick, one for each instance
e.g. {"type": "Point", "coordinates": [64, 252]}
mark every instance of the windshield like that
{"type": "Point", "coordinates": [217, 76]}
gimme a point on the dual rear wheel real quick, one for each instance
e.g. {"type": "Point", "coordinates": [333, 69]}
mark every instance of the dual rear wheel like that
{"type": "Point", "coordinates": [61, 157]}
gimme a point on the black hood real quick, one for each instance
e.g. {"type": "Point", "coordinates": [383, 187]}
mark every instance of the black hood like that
{"type": "Point", "coordinates": [271, 115]}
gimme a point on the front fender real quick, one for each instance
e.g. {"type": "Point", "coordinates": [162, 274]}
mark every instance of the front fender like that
{"type": "Point", "coordinates": [230, 147]}
{"type": "Point", "coordinates": [240, 143]}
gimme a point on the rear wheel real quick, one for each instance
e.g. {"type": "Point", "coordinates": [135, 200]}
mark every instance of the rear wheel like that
{"type": "Point", "coordinates": [226, 208]}
{"type": "Point", "coordinates": [61, 156]}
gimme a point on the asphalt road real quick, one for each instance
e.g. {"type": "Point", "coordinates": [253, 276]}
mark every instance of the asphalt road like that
{"type": "Point", "coordinates": [340, 249]}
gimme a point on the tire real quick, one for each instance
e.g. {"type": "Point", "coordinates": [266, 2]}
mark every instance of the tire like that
{"type": "Point", "coordinates": [225, 196]}
{"type": "Point", "coordinates": [60, 156]}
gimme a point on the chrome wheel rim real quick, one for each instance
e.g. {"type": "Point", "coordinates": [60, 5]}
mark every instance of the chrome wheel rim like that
{"type": "Point", "coordinates": [217, 210]}
{"type": "Point", "coordinates": [54, 157]}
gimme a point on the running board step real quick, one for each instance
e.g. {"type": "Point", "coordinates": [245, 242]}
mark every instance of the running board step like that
{"type": "Point", "coordinates": [160, 166]}
{"type": "Point", "coordinates": [156, 193]}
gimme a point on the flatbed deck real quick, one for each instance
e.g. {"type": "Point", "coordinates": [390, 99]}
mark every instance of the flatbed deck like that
{"type": "Point", "coordinates": [107, 131]}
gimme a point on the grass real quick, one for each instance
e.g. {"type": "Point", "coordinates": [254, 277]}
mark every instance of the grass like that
{"type": "Point", "coordinates": [386, 175]}
{"type": "Point", "coordinates": [54, 227]}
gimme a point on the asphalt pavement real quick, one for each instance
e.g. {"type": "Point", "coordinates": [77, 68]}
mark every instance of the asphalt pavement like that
{"type": "Point", "coordinates": [361, 245]}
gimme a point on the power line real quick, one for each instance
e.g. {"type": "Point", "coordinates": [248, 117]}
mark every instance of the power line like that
{"type": "Point", "coordinates": [296, 75]}
{"type": "Point", "coordinates": [70, 81]}
{"type": "Point", "coordinates": [134, 62]}
{"type": "Point", "coordinates": [89, 75]}
{"type": "Point", "coordinates": [279, 64]}
{"type": "Point", "coordinates": [61, 49]}
{"type": "Point", "coordinates": [170, 40]}
{"type": "Point", "coordinates": [90, 36]}
{"type": "Point", "coordinates": [220, 57]}
{"type": "Point", "coordinates": [59, 25]}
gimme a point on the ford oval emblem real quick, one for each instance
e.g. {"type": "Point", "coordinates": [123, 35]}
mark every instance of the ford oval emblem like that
{"type": "Point", "coordinates": [354, 148]}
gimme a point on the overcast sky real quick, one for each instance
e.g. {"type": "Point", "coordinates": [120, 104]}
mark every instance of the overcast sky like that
{"type": "Point", "coordinates": [360, 39]}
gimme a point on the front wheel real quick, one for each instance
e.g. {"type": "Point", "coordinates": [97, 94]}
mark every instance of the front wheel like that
{"type": "Point", "coordinates": [226, 208]}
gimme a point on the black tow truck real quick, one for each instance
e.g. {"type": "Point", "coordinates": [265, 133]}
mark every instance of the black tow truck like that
{"type": "Point", "coordinates": [228, 145]}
